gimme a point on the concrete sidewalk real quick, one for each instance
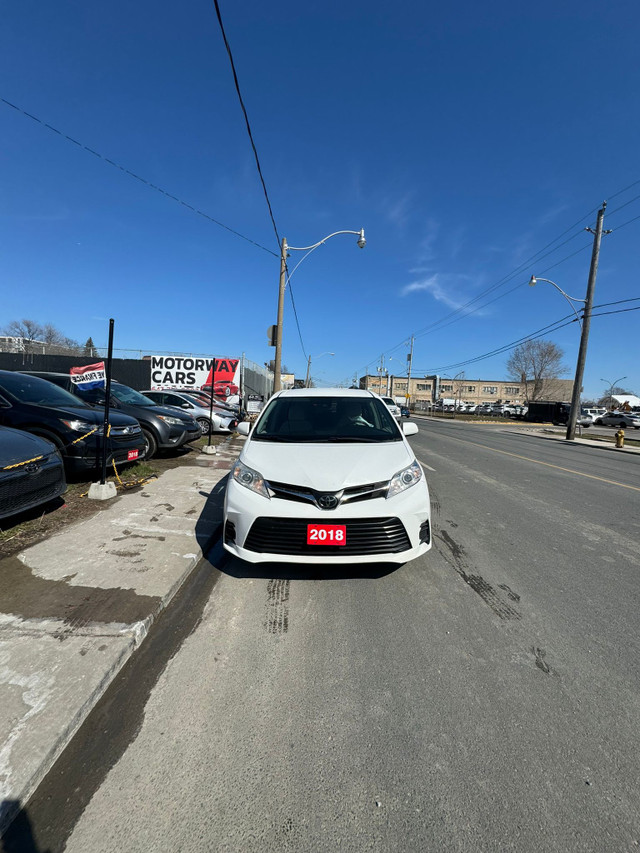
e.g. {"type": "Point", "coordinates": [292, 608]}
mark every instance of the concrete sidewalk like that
{"type": "Point", "coordinates": [75, 607]}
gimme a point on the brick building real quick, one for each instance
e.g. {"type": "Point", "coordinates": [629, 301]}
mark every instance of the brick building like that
{"type": "Point", "coordinates": [426, 390]}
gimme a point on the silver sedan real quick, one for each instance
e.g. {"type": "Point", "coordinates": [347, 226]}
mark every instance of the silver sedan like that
{"type": "Point", "coordinates": [221, 420]}
{"type": "Point", "coordinates": [620, 419]}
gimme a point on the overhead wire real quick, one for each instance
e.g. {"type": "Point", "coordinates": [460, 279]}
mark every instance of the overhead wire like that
{"type": "Point", "coordinates": [134, 175]}
{"type": "Point", "coordinates": [536, 257]}
{"type": "Point", "coordinates": [255, 154]}
{"type": "Point", "coordinates": [551, 327]}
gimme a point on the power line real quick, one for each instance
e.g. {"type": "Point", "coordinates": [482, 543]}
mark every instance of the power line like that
{"type": "Point", "coordinates": [619, 311]}
{"type": "Point", "coordinates": [619, 302]}
{"type": "Point", "coordinates": [551, 327]}
{"type": "Point", "coordinates": [137, 177]}
{"type": "Point", "coordinates": [246, 118]}
{"type": "Point", "coordinates": [255, 154]}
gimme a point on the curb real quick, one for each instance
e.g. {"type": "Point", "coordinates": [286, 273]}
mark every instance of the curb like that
{"type": "Point", "coordinates": [134, 636]}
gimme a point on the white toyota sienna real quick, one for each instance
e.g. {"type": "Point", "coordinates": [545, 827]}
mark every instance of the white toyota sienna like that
{"type": "Point", "coordinates": [327, 476]}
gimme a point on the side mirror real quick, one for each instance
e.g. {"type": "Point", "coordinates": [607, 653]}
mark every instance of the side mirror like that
{"type": "Point", "coordinates": [243, 428]}
{"type": "Point", "coordinates": [186, 405]}
{"type": "Point", "coordinates": [409, 428]}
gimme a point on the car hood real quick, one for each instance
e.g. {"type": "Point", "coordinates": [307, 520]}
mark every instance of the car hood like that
{"type": "Point", "coordinates": [91, 415]}
{"type": "Point", "coordinates": [168, 411]}
{"type": "Point", "coordinates": [327, 467]}
{"type": "Point", "coordinates": [19, 445]}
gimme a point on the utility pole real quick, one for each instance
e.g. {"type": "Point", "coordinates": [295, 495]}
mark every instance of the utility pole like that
{"type": "Point", "coordinates": [410, 360]}
{"type": "Point", "coordinates": [283, 281]}
{"type": "Point", "coordinates": [586, 322]}
{"type": "Point", "coordinates": [306, 381]}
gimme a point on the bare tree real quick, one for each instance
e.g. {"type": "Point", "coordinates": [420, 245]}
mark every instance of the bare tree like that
{"type": "Point", "coordinates": [31, 332]}
{"type": "Point", "coordinates": [535, 364]}
{"type": "Point", "coordinates": [28, 330]}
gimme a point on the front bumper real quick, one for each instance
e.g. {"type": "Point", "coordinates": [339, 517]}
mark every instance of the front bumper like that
{"type": "Point", "coordinates": [87, 454]}
{"type": "Point", "coordinates": [258, 530]}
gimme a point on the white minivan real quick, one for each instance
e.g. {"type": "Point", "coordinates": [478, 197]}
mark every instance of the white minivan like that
{"type": "Point", "coordinates": [327, 476]}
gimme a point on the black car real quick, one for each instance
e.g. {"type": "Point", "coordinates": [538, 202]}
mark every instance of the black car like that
{"type": "Point", "coordinates": [31, 472]}
{"type": "Point", "coordinates": [404, 412]}
{"type": "Point", "coordinates": [75, 428]}
{"type": "Point", "coordinates": [163, 428]}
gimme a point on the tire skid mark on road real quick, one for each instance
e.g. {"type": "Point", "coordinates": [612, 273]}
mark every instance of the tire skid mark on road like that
{"type": "Point", "coordinates": [277, 606]}
{"type": "Point", "coordinates": [478, 584]}
{"type": "Point", "coordinates": [540, 654]}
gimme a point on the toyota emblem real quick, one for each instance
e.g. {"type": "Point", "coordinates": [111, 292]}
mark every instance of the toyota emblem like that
{"type": "Point", "coordinates": [327, 501]}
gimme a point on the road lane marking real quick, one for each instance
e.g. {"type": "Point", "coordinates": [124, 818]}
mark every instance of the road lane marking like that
{"type": "Point", "coordinates": [549, 464]}
{"type": "Point", "coordinates": [424, 465]}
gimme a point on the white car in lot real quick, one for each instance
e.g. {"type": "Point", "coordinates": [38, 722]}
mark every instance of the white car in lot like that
{"type": "Point", "coordinates": [327, 476]}
{"type": "Point", "coordinates": [620, 419]}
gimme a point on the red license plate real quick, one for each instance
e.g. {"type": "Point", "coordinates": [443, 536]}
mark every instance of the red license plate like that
{"type": "Point", "coordinates": [132, 454]}
{"type": "Point", "coordinates": [326, 534]}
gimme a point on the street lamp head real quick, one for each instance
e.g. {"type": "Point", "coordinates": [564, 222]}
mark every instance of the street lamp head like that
{"type": "Point", "coordinates": [361, 241]}
{"type": "Point", "coordinates": [532, 281]}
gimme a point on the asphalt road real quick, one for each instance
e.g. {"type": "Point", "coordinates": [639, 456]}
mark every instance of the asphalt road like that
{"type": "Point", "coordinates": [484, 697]}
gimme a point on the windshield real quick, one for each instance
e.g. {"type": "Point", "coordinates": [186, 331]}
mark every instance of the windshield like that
{"type": "Point", "coordinates": [326, 419]}
{"type": "Point", "coordinates": [130, 397]}
{"type": "Point", "coordinates": [39, 392]}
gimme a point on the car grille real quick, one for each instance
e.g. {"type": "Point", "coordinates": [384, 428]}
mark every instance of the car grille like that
{"type": "Point", "coordinates": [124, 433]}
{"type": "Point", "coordinates": [20, 489]}
{"type": "Point", "coordinates": [364, 536]}
{"type": "Point", "coordinates": [303, 494]}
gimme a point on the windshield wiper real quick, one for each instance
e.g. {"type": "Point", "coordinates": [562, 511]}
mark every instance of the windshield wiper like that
{"type": "Point", "coordinates": [349, 439]}
{"type": "Point", "coordinates": [281, 438]}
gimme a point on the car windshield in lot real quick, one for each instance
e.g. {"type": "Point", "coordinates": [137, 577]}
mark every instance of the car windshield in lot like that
{"type": "Point", "coordinates": [326, 419]}
{"type": "Point", "coordinates": [130, 397]}
{"type": "Point", "coordinates": [39, 392]}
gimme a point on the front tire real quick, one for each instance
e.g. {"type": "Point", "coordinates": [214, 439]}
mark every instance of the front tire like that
{"type": "Point", "coordinates": [205, 425]}
{"type": "Point", "coordinates": [151, 445]}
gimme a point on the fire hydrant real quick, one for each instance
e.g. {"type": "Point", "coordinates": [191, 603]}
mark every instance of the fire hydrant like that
{"type": "Point", "coordinates": [620, 438]}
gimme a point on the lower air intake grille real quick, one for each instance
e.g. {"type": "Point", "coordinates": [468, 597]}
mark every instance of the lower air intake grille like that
{"type": "Point", "coordinates": [364, 536]}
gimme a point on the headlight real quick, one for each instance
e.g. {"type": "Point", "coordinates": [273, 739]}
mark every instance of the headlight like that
{"type": "Point", "coordinates": [250, 479]}
{"type": "Point", "coordinates": [404, 479]}
{"type": "Point", "coordinates": [83, 426]}
{"type": "Point", "coordinates": [172, 421]}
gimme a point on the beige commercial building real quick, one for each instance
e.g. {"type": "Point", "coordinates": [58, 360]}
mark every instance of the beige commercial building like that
{"type": "Point", "coordinates": [422, 391]}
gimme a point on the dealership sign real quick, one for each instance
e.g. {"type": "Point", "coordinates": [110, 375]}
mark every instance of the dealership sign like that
{"type": "Point", "coordinates": [185, 373]}
{"type": "Point", "coordinates": [89, 376]}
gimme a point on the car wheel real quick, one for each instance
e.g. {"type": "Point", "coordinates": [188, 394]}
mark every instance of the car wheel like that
{"type": "Point", "coordinates": [598, 422]}
{"type": "Point", "coordinates": [150, 444]}
{"type": "Point", "coordinates": [204, 424]}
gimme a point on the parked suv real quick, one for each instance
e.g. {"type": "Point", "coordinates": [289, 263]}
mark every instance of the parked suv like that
{"type": "Point", "coordinates": [163, 428]}
{"type": "Point", "coordinates": [76, 429]}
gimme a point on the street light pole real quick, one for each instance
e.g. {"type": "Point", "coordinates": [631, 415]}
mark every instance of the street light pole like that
{"type": "Point", "coordinates": [586, 322]}
{"type": "Point", "coordinates": [308, 377]}
{"type": "Point", "coordinates": [283, 281]}
{"type": "Point", "coordinates": [612, 385]}
{"type": "Point", "coordinates": [570, 299]}
{"type": "Point", "coordinates": [284, 251]}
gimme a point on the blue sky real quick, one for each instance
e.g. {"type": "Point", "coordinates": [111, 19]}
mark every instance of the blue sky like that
{"type": "Point", "coordinates": [464, 137]}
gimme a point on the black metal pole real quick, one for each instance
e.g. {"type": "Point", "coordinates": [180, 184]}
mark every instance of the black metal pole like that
{"type": "Point", "coordinates": [107, 391]}
{"type": "Point", "coordinates": [213, 382]}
